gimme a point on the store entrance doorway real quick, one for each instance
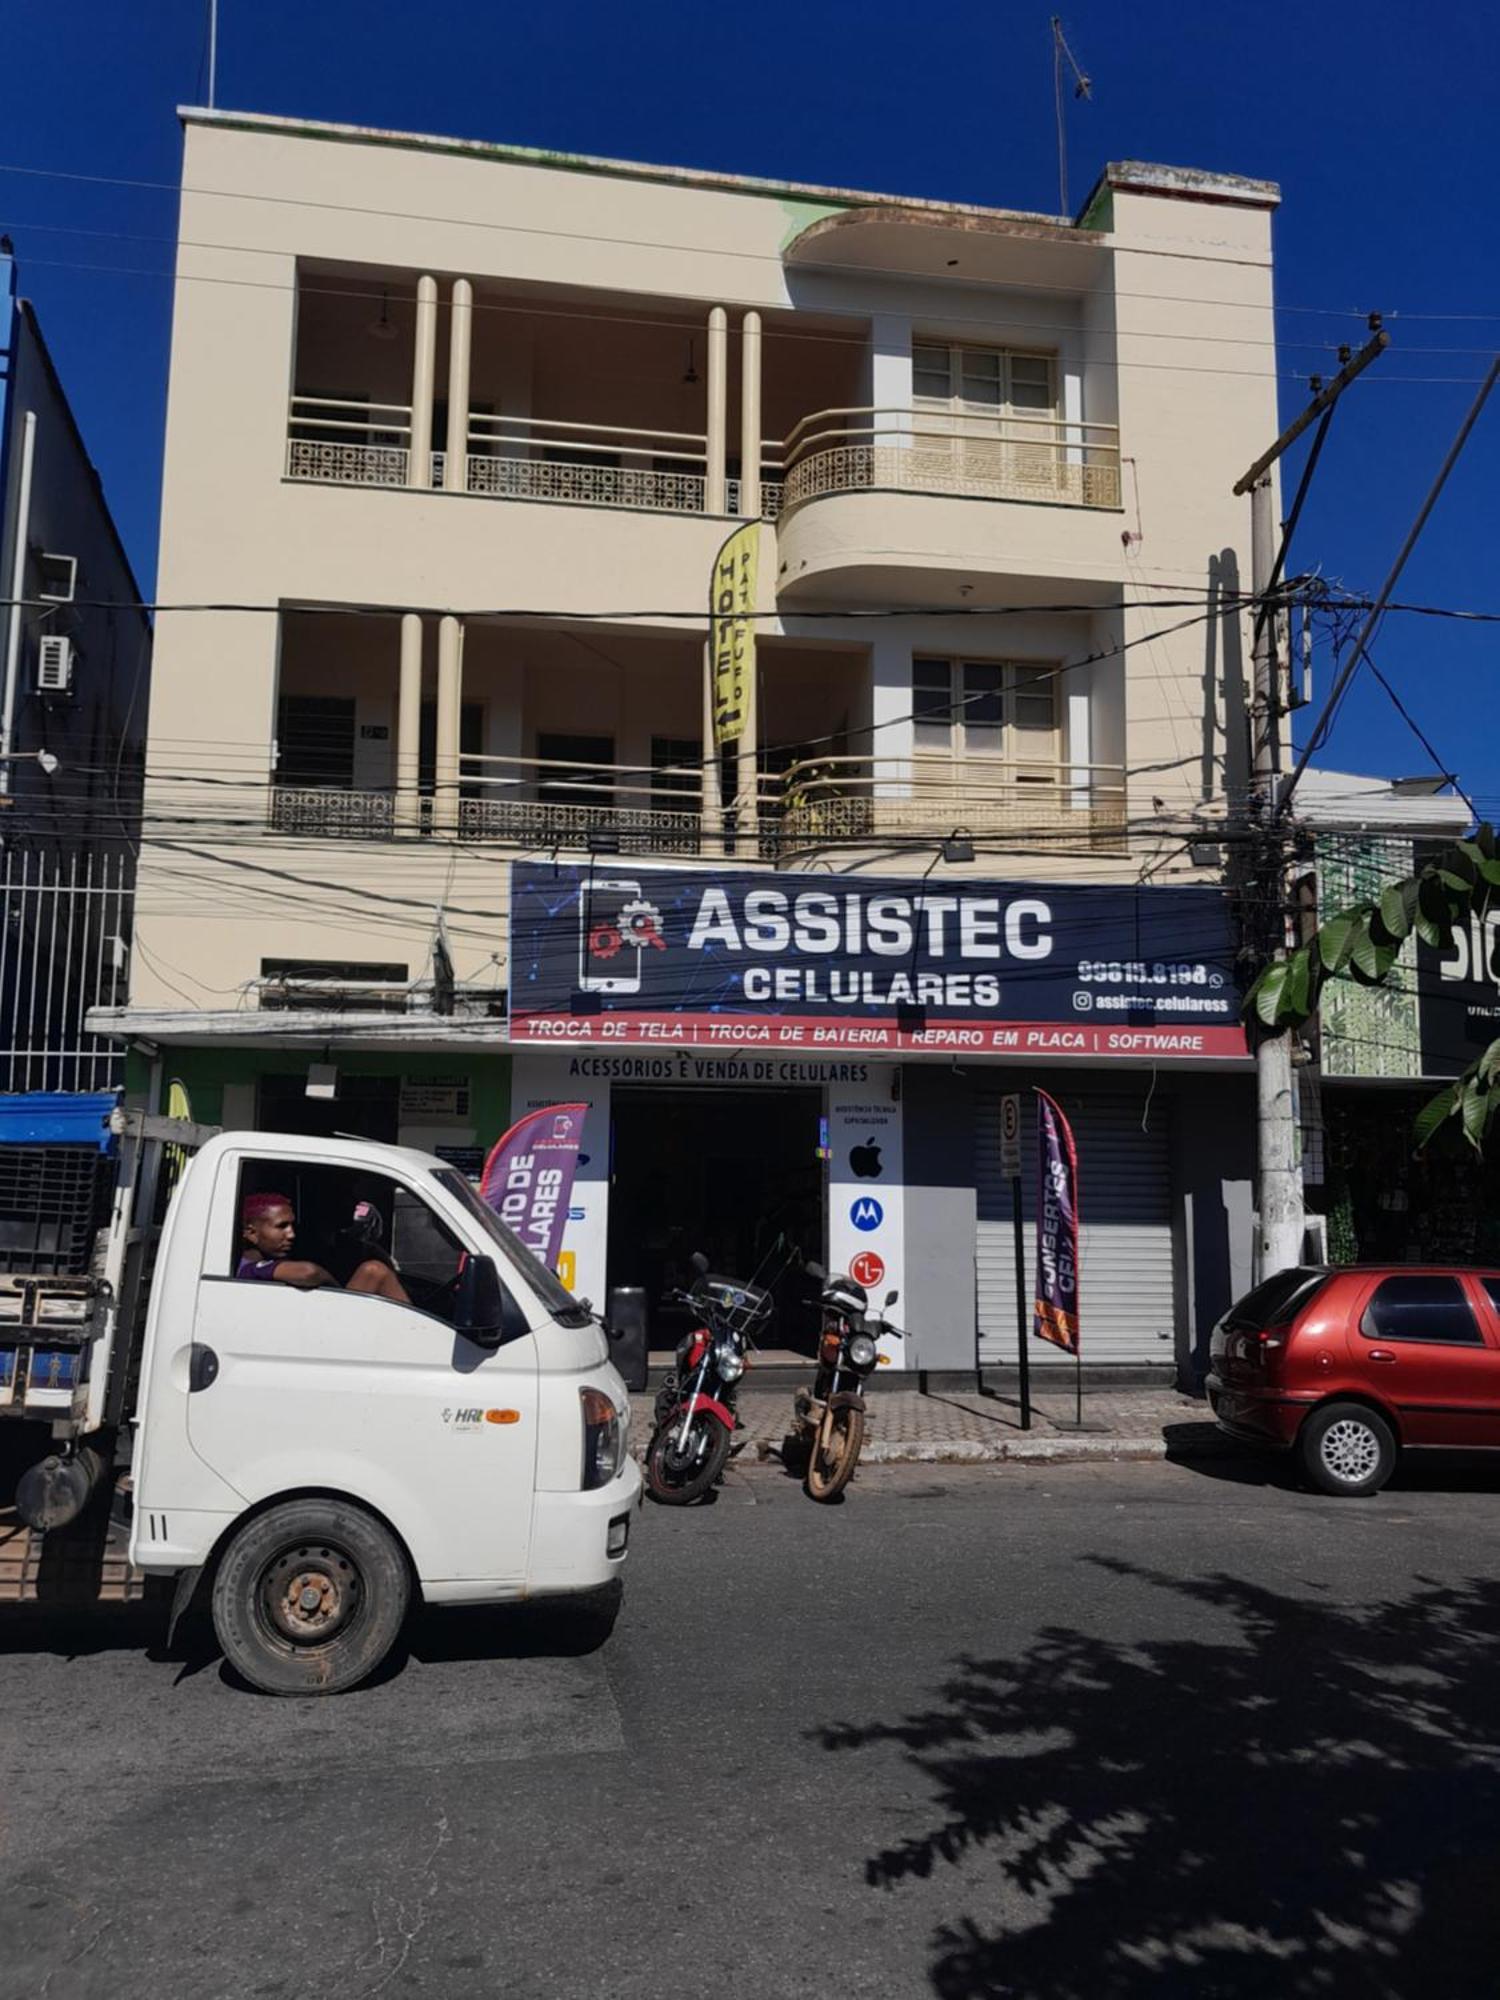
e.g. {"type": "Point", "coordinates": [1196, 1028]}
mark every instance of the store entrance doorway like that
{"type": "Point", "coordinates": [727, 1172]}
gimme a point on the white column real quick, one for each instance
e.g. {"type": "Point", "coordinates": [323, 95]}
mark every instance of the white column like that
{"type": "Point", "coordinates": [750, 362]}
{"type": "Point", "coordinates": [409, 726]}
{"type": "Point", "coordinates": [1080, 750]}
{"type": "Point", "coordinates": [460, 340]}
{"type": "Point", "coordinates": [890, 379]}
{"type": "Point", "coordinates": [423, 372]}
{"type": "Point", "coordinates": [516, 370]}
{"type": "Point", "coordinates": [718, 410]}
{"type": "Point", "coordinates": [892, 735]}
{"type": "Point", "coordinates": [449, 707]}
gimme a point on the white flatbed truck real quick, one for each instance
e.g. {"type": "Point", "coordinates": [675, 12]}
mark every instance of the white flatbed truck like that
{"type": "Point", "coordinates": [307, 1461]}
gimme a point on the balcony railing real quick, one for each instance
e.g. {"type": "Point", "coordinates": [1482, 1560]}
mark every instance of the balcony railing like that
{"type": "Point", "coordinates": [831, 801]}
{"type": "Point", "coordinates": [340, 442]}
{"type": "Point", "coordinates": [552, 803]}
{"type": "Point", "coordinates": [333, 810]}
{"type": "Point", "coordinates": [851, 799]}
{"type": "Point", "coordinates": [1052, 459]}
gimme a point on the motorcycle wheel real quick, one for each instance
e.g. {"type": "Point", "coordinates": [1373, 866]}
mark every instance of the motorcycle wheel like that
{"type": "Point", "coordinates": [677, 1481]}
{"type": "Point", "coordinates": [836, 1446]}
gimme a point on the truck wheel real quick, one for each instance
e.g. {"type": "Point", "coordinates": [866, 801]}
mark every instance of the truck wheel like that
{"type": "Point", "coordinates": [309, 1597]}
{"type": "Point", "coordinates": [1347, 1450]}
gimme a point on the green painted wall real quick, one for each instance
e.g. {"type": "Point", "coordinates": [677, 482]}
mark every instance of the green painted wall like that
{"type": "Point", "coordinates": [204, 1072]}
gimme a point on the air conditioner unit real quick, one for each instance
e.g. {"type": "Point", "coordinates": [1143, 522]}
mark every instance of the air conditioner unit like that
{"type": "Point", "coordinates": [54, 665]}
{"type": "Point", "coordinates": [57, 578]}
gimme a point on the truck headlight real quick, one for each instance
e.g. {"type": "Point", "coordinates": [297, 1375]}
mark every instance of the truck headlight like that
{"type": "Point", "coordinates": [604, 1438]}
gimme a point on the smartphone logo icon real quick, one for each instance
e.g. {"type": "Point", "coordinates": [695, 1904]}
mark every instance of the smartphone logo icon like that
{"type": "Point", "coordinates": [607, 961]}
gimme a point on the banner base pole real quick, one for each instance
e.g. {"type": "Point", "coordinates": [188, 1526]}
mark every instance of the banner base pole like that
{"type": "Point", "coordinates": [1023, 1353]}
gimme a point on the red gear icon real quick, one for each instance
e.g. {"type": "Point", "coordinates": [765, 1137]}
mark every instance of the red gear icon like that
{"type": "Point", "coordinates": [604, 941]}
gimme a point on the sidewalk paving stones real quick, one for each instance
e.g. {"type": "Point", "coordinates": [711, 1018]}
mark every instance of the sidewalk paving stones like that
{"type": "Point", "coordinates": [907, 1428]}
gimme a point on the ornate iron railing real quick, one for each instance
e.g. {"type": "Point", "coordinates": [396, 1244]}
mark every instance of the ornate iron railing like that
{"type": "Point", "coordinates": [1055, 460]}
{"type": "Point", "coordinates": [333, 810]}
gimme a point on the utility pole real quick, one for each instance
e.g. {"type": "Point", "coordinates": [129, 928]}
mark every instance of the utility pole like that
{"type": "Point", "coordinates": [1263, 874]}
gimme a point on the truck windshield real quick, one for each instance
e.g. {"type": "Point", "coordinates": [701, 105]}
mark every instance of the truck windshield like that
{"type": "Point", "coordinates": [562, 1305]}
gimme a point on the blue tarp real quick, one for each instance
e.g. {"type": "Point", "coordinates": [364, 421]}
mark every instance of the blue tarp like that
{"type": "Point", "coordinates": [58, 1118]}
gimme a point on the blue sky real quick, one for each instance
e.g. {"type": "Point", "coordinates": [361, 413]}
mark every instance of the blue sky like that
{"type": "Point", "coordinates": [1376, 123]}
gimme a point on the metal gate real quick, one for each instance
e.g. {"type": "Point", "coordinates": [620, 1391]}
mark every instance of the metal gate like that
{"type": "Point", "coordinates": [64, 947]}
{"type": "Point", "coordinates": [1127, 1284]}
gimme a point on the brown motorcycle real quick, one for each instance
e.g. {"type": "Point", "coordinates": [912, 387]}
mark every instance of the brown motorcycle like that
{"type": "Point", "coordinates": [830, 1417]}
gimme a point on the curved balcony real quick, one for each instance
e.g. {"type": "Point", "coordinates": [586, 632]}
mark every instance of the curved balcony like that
{"type": "Point", "coordinates": [892, 489]}
{"type": "Point", "coordinates": [843, 800]}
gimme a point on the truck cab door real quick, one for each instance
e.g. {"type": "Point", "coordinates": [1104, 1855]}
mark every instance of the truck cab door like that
{"type": "Point", "coordinates": [289, 1389]}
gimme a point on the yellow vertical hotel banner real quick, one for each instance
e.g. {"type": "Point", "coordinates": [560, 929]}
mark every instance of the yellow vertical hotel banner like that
{"type": "Point", "coordinates": [731, 632]}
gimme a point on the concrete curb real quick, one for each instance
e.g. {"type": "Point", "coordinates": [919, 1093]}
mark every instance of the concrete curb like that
{"type": "Point", "coordinates": [1023, 1451]}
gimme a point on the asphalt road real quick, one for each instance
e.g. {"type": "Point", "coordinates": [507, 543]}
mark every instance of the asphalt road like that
{"type": "Point", "coordinates": [1094, 1731]}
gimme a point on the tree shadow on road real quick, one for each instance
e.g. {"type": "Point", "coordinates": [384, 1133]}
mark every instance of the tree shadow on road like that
{"type": "Point", "coordinates": [1310, 1806]}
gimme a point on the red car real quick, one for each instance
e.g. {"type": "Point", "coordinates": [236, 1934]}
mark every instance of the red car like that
{"type": "Point", "coordinates": [1346, 1368]}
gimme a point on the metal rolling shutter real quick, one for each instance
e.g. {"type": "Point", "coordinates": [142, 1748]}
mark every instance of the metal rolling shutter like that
{"type": "Point", "coordinates": [1127, 1293]}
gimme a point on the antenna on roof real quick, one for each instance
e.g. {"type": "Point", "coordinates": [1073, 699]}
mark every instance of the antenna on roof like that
{"type": "Point", "coordinates": [1082, 87]}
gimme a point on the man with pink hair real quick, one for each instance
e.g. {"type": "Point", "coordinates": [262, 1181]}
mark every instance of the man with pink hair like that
{"type": "Point", "coordinates": [268, 1228]}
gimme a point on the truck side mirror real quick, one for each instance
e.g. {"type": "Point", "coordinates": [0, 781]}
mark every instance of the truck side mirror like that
{"type": "Point", "coordinates": [480, 1303]}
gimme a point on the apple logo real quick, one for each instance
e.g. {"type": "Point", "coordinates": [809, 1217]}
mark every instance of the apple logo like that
{"type": "Point", "coordinates": [865, 1160]}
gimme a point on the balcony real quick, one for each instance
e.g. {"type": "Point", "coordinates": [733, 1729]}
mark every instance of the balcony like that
{"type": "Point", "coordinates": [1054, 460]}
{"type": "Point", "coordinates": [337, 442]}
{"type": "Point", "coordinates": [831, 801]}
{"type": "Point", "coordinates": [535, 735]}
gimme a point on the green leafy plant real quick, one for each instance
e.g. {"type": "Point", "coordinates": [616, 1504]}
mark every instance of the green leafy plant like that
{"type": "Point", "coordinates": [1363, 943]}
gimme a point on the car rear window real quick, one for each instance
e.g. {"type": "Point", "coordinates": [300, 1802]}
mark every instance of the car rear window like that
{"type": "Point", "coordinates": [1421, 1308]}
{"type": "Point", "coordinates": [1276, 1301]}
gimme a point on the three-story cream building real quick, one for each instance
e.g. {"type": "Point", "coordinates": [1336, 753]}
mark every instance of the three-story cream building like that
{"type": "Point", "coordinates": [456, 434]}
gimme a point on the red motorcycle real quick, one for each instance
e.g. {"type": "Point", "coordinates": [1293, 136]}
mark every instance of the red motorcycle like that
{"type": "Point", "coordinates": [694, 1418]}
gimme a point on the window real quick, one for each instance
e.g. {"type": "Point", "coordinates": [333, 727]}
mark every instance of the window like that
{"type": "Point", "coordinates": [315, 741]}
{"type": "Point", "coordinates": [1492, 1286]}
{"type": "Point", "coordinates": [590, 781]}
{"type": "Point", "coordinates": [1418, 1308]}
{"type": "Point", "coordinates": [1277, 1300]}
{"type": "Point", "coordinates": [346, 1219]}
{"type": "Point", "coordinates": [676, 768]}
{"type": "Point", "coordinates": [987, 708]}
{"type": "Point", "coordinates": [562, 1305]}
{"type": "Point", "coordinates": [978, 382]}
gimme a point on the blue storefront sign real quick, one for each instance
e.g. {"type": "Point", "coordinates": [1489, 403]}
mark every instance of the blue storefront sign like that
{"type": "Point", "coordinates": [617, 954]}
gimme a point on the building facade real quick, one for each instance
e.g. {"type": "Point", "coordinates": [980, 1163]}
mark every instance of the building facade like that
{"type": "Point", "coordinates": [457, 435]}
{"type": "Point", "coordinates": [1378, 1054]}
{"type": "Point", "coordinates": [75, 664]}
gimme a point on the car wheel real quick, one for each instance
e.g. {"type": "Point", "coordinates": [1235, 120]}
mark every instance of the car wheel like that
{"type": "Point", "coordinates": [1347, 1450]}
{"type": "Point", "coordinates": [309, 1597]}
